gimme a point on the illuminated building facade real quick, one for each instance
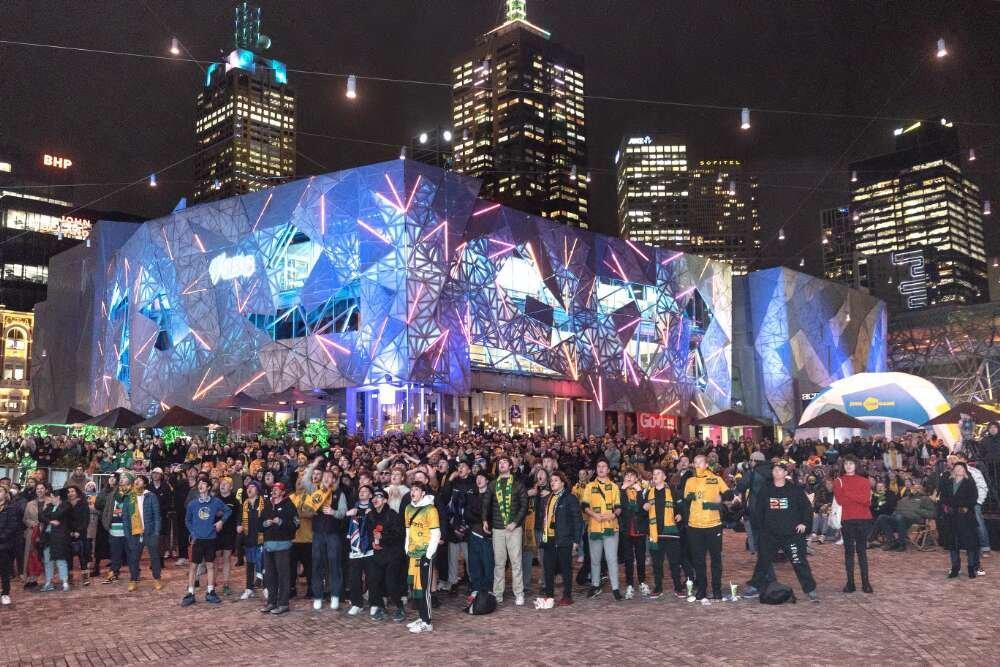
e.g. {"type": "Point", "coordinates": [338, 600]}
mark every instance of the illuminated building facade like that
{"type": "Point", "coordinates": [665, 199]}
{"type": "Point", "coordinates": [37, 221]}
{"type": "Point", "coordinates": [15, 357]}
{"type": "Point", "coordinates": [399, 291]}
{"type": "Point", "coordinates": [839, 259]}
{"type": "Point", "coordinates": [246, 118]}
{"type": "Point", "coordinates": [518, 119]}
{"type": "Point", "coordinates": [917, 197]}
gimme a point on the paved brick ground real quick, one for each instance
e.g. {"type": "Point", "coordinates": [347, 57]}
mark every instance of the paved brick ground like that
{"type": "Point", "coordinates": [917, 616]}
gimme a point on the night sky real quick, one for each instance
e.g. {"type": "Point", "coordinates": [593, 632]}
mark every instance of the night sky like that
{"type": "Point", "coordinates": [120, 118]}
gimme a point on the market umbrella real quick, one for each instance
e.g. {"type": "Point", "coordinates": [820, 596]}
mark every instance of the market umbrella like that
{"type": "Point", "coordinates": [116, 418]}
{"type": "Point", "coordinates": [980, 414]}
{"type": "Point", "coordinates": [175, 416]}
{"type": "Point", "coordinates": [292, 398]}
{"type": "Point", "coordinates": [239, 401]}
{"type": "Point", "coordinates": [62, 416]}
{"type": "Point", "coordinates": [834, 419]}
{"type": "Point", "coordinates": [25, 418]}
{"type": "Point", "coordinates": [729, 418]}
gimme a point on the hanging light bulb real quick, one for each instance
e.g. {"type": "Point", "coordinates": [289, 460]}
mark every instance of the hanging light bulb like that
{"type": "Point", "coordinates": [856, 217]}
{"type": "Point", "coordinates": [732, 188]}
{"type": "Point", "coordinates": [423, 137]}
{"type": "Point", "coordinates": [588, 177]}
{"type": "Point", "coordinates": [996, 262]}
{"type": "Point", "coordinates": [802, 262]}
{"type": "Point", "coordinates": [972, 155]}
{"type": "Point", "coordinates": [854, 176]}
{"type": "Point", "coordinates": [152, 180]}
{"type": "Point", "coordinates": [446, 135]}
{"type": "Point", "coordinates": [890, 280]}
{"type": "Point", "coordinates": [352, 87]}
{"type": "Point", "coordinates": [88, 241]}
{"type": "Point", "coordinates": [987, 208]}
{"type": "Point", "coordinates": [59, 234]}
{"type": "Point", "coordinates": [175, 46]}
{"type": "Point", "coordinates": [781, 234]}
{"type": "Point", "coordinates": [465, 135]}
{"type": "Point", "coordinates": [745, 118]}
{"type": "Point", "coordinates": [848, 318]}
{"type": "Point", "coordinates": [825, 240]}
{"type": "Point", "coordinates": [942, 50]}
{"type": "Point", "coordinates": [572, 172]}
{"type": "Point", "coordinates": [402, 153]}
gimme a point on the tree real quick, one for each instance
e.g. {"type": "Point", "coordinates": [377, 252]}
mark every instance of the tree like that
{"type": "Point", "coordinates": [317, 432]}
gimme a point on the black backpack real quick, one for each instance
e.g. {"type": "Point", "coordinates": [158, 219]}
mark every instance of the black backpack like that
{"type": "Point", "coordinates": [776, 593]}
{"type": "Point", "coordinates": [484, 603]}
{"type": "Point", "coordinates": [457, 524]}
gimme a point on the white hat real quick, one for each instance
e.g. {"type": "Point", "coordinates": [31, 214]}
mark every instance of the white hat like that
{"type": "Point", "coordinates": [159, 470]}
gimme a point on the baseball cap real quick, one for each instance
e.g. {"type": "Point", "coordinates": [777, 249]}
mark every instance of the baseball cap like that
{"type": "Point", "coordinates": [380, 493]}
{"type": "Point", "coordinates": [280, 486]}
{"type": "Point", "coordinates": [159, 470]}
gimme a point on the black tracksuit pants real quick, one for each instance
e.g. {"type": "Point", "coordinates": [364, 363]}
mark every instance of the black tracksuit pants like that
{"type": "Point", "coordinates": [794, 547]}
{"type": "Point", "coordinates": [706, 542]}
{"type": "Point", "coordinates": [673, 550]}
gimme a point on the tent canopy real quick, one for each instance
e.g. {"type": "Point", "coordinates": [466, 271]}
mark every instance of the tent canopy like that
{"type": "Point", "coordinates": [240, 401]}
{"type": "Point", "coordinates": [175, 416]}
{"type": "Point", "coordinates": [834, 418]}
{"type": "Point", "coordinates": [293, 398]}
{"type": "Point", "coordinates": [729, 418]}
{"type": "Point", "coordinates": [979, 413]}
{"type": "Point", "coordinates": [64, 416]}
{"type": "Point", "coordinates": [116, 418]}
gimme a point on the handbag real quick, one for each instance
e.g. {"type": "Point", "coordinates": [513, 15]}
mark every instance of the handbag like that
{"type": "Point", "coordinates": [836, 511]}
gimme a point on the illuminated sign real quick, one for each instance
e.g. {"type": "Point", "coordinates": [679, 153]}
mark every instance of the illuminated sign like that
{"type": "Point", "coordinates": [656, 426]}
{"type": "Point", "coordinates": [871, 404]}
{"type": "Point", "coordinates": [69, 219]}
{"type": "Point", "coordinates": [914, 288]}
{"type": "Point", "coordinates": [56, 162]}
{"type": "Point", "coordinates": [718, 163]}
{"type": "Point", "coordinates": [640, 141]}
{"type": "Point", "coordinates": [223, 267]}
{"type": "Point", "coordinates": [810, 396]}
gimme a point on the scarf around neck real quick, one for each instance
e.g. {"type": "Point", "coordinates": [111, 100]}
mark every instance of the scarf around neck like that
{"type": "Point", "coordinates": [357, 530]}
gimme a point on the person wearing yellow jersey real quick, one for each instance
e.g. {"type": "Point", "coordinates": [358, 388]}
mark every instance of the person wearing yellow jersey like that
{"type": "Point", "coordinates": [663, 514]}
{"type": "Point", "coordinates": [423, 535]}
{"type": "Point", "coordinates": [634, 534]}
{"type": "Point", "coordinates": [704, 493]}
{"type": "Point", "coordinates": [302, 542]}
{"type": "Point", "coordinates": [602, 505]}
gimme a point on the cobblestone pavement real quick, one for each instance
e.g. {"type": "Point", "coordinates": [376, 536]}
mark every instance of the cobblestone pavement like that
{"type": "Point", "coordinates": [917, 616]}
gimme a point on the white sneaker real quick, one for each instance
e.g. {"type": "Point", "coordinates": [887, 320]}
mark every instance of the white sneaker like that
{"type": "Point", "coordinates": [421, 627]}
{"type": "Point", "coordinates": [353, 611]}
{"type": "Point", "coordinates": [5, 600]}
{"type": "Point", "coordinates": [413, 624]}
{"type": "Point", "coordinates": [265, 594]}
{"type": "Point", "coordinates": [247, 594]}
{"type": "Point", "coordinates": [549, 603]}
{"type": "Point", "coordinates": [705, 602]}
{"type": "Point", "coordinates": [66, 587]}
{"type": "Point", "coordinates": [539, 603]}
{"type": "Point", "coordinates": [629, 592]}
{"type": "Point", "coordinates": [334, 603]}
{"type": "Point", "coordinates": [373, 610]}
{"type": "Point", "coordinates": [644, 589]}
{"type": "Point", "coordinates": [980, 572]}
{"type": "Point", "coordinates": [317, 605]}
{"type": "Point", "coordinates": [840, 541]}
{"type": "Point", "coordinates": [519, 600]}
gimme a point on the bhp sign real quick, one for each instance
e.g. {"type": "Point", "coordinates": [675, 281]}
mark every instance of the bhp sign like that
{"type": "Point", "coordinates": [652, 425]}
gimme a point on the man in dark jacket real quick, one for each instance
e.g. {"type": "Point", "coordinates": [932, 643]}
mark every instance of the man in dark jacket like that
{"type": "Point", "coordinates": [454, 496]}
{"type": "Point", "coordinates": [387, 543]}
{"type": "Point", "coordinates": [280, 521]}
{"type": "Point", "coordinates": [561, 527]}
{"type": "Point", "coordinates": [784, 515]}
{"type": "Point", "coordinates": [506, 507]}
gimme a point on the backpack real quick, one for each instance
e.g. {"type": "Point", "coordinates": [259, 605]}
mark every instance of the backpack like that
{"type": "Point", "coordinates": [776, 593]}
{"type": "Point", "coordinates": [483, 603]}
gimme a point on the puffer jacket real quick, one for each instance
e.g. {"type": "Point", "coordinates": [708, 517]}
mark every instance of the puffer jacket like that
{"type": "Point", "coordinates": [518, 505]}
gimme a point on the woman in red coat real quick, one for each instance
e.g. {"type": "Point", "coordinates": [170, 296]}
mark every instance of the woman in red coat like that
{"type": "Point", "coordinates": [854, 494]}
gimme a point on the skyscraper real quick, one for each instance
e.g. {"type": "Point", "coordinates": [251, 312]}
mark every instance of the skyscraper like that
{"type": "Point", "coordinates": [517, 107]}
{"type": "Point", "coordinates": [246, 117]}
{"type": "Point", "coordinates": [708, 208]}
{"type": "Point", "coordinates": [839, 261]}
{"type": "Point", "coordinates": [917, 208]}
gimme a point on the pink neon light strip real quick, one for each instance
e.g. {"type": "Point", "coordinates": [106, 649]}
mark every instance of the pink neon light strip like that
{"type": "Point", "coordinates": [621, 271]}
{"type": "Point", "coordinates": [201, 340]}
{"type": "Point", "coordinates": [252, 380]}
{"type": "Point", "coordinates": [399, 202]}
{"type": "Point", "coordinates": [197, 240]}
{"type": "Point", "coordinates": [484, 211]}
{"type": "Point", "coordinates": [374, 232]}
{"type": "Point", "coordinates": [167, 241]}
{"type": "Point", "coordinates": [208, 388]}
{"type": "Point", "coordinates": [669, 407]}
{"type": "Point", "coordinates": [683, 294]}
{"type": "Point", "coordinates": [671, 258]}
{"type": "Point", "coordinates": [413, 306]}
{"type": "Point", "coordinates": [371, 352]}
{"type": "Point", "coordinates": [637, 251]}
{"type": "Point", "coordinates": [262, 209]}
{"type": "Point", "coordinates": [626, 326]}
{"type": "Point", "coordinates": [441, 339]}
{"type": "Point", "coordinates": [507, 248]}
{"type": "Point", "coordinates": [337, 347]}
{"type": "Point", "coordinates": [322, 215]}
{"type": "Point", "coordinates": [409, 200]}
{"type": "Point", "coordinates": [146, 344]}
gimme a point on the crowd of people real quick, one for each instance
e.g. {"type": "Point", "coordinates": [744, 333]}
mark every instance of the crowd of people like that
{"type": "Point", "coordinates": [397, 521]}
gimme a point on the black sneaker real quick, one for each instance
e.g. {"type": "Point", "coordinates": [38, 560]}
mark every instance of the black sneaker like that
{"type": "Point", "coordinates": [267, 609]}
{"type": "Point", "coordinates": [212, 597]}
{"type": "Point", "coordinates": [188, 600]}
{"type": "Point", "coordinates": [379, 615]}
{"type": "Point", "coordinates": [594, 592]}
{"type": "Point", "coordinates": [399, 616]}
{"type": "Point", "coordinates": [278, 611]}
{"type": "Point", "coordinates": [656, 594]}
{"type": "Point", "coordinates": [617, 594]}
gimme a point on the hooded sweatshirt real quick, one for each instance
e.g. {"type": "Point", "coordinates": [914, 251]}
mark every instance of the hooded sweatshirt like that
{"type": "Point", "coordinates": [423, 528]}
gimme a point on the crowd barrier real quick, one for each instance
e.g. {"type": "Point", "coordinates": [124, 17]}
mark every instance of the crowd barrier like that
{"type": "Point", "coordinates": [56, 476]}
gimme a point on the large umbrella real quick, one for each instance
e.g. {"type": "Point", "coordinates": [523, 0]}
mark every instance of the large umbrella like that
{"type": "Point", "coordinates": [240, 401]}
{"type": "Point", "coordinates": [980, 414]}
{"type": "Point", "coordinates": [292, 398]}
{"type": "Point", "coordinates": [62, 416]}
{"type": "Point", "coordinates": [116, 418]}
{"type": "Point", "coordinates": [25, 418]}
{"type": "Point", "coordinates": [834, 419]}
{"type": "Point", "coordinates": [729, 418]}
{"type": "Point", "coordinates": [175, 416]}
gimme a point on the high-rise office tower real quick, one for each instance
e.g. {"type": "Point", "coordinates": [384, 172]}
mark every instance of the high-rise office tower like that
{"type": "Point", "coordinates": [246, 117]}
{"type": "Point", "coordinates": [707, 208]}
{"type": "Point", "coordinates": [916, 208]}
{"type": "Point", "coordinates": [839, 260]}
{"type": "Point", "coordinates": [518, 116]}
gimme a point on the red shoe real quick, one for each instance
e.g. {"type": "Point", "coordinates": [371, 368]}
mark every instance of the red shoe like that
{"type": "Point", "coordinates": [565, 602]}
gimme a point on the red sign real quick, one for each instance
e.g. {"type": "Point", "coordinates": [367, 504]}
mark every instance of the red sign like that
{"type": "Point", "coordinates": [655, 426]}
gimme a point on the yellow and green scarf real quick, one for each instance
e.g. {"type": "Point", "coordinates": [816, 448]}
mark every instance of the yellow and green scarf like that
{"type": "Point", "coordinates": [669, 527]}
{"type": "Point", "coordinates": [504, 490]}
{"type": "Point", "coordinates": [603, 497]}
{"type": "Point", "coordinates": [550, 517]}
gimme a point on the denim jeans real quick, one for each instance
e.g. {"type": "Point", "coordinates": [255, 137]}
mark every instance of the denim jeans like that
{"type": "Point", "coordinates": [119, 554]}
{"type": "Point", "coordinates": [50, 565]}
{"type": "Point", "coordinates": [984, 535]}
{"type": "Point", "coordinates": [327, 575]}
{"type": "Point", "coordinates": [480, 563]}
{"type": "Point", "coordinates": [135, 547]}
